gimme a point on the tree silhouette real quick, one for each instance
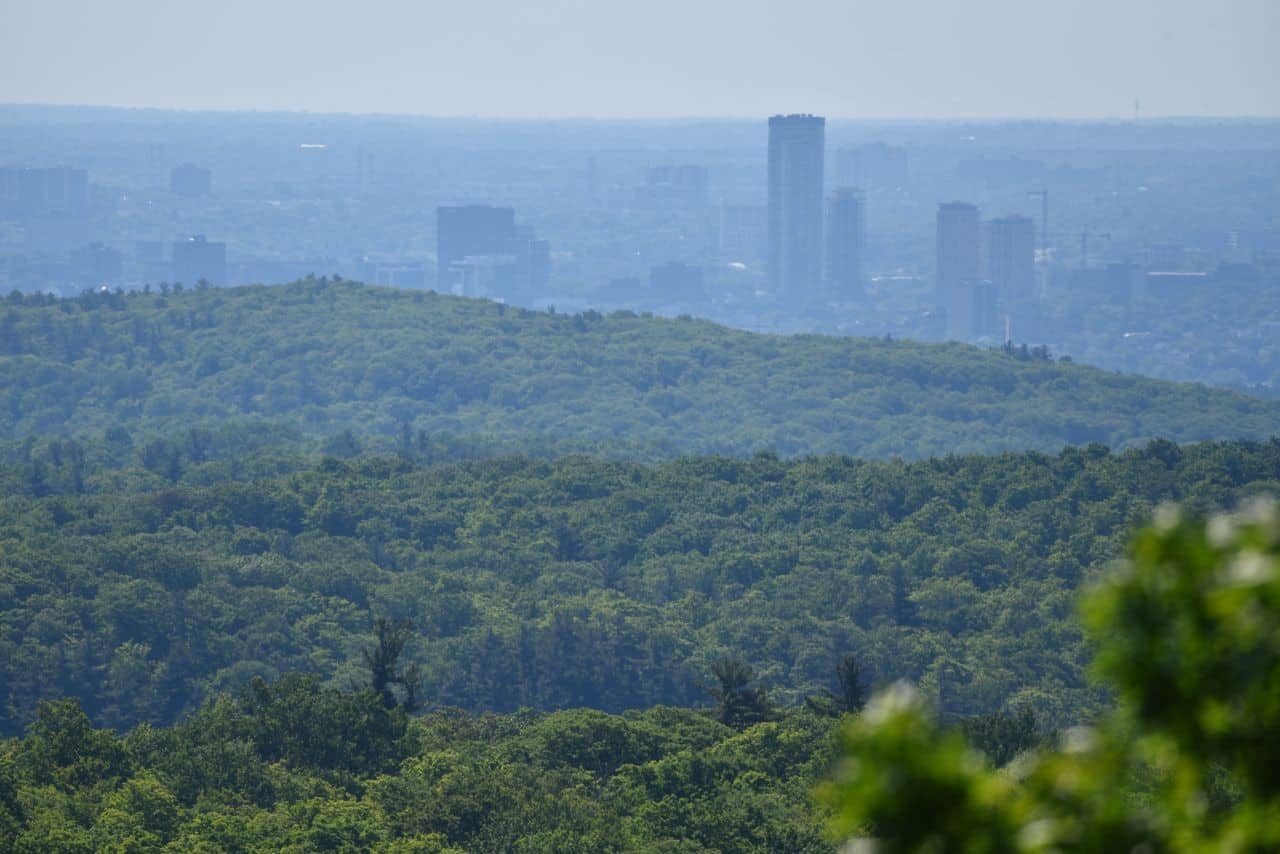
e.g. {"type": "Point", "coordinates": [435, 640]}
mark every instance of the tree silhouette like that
{"type": "Point", "coordinates": [382, 659]}
{"type": "Point", "coordinates": [741, 701]}
{"type": "Point", "coordinates": [850, 696]}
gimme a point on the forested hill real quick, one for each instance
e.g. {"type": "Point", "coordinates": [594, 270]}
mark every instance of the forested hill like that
{"type": "Point", "coordinates": [328, 357]}
{"type": "Point", "coordinates": [587, 582]}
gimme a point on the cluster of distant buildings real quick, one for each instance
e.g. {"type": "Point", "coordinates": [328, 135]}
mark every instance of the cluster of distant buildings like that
{"type": "Point", "coordinates": [51, 205]}
{"type": "Point", "coordinates": [482, 252]}
{"type": "Point", "coordinates": [52, 208]}
{"type": "Point", "coordinates": [809, 259]}
{"type": "Point", "coordinates": [985, 274]}
{"type": "Point", "coordinates": [817, 246]}
{"type": "Point", "coordinates": [810, 237]}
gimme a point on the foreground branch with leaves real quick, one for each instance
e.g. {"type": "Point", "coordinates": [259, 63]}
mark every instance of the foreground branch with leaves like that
{"type": "Point", "coordinates": [1188, 637]}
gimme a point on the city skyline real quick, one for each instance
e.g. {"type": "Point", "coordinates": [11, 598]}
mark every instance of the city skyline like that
{"type": "Point", "coordinates": [671, 219]}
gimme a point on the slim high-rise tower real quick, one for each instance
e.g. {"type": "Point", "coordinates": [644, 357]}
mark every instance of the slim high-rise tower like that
{"type": "Point", "coordinates": [1011, 259]}
{"type": "Point", "coordinates": [959, 249]}
{"type": "Point", "coordinates": [796, 150]}
{"type": "Point", "coordinates": [846, 243]}
{"type": "Point", "coordinates": [967, 297]}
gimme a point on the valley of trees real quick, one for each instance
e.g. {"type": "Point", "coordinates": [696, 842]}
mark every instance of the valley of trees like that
{"type": "Point", "coordinates": [580, 582]}
{"type": "Point", "coordinates": [404, 367]}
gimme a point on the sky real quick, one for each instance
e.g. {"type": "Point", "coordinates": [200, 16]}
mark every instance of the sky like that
{"type": "Point", "coordinates": [651, 58]}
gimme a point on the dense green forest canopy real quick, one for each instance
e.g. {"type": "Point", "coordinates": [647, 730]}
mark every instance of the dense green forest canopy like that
{"type": "Point", "coordinates": [1186, 638]}
{"type": "Point", "coordinates": [293, 767]}
{"type": "Point", "coordinates": [581, 582]}
{"type": "Point", "coordinates": [328, 357]}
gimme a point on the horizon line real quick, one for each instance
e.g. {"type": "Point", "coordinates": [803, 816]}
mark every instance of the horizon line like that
{"type": "Point", "coordinates": [725, 117]}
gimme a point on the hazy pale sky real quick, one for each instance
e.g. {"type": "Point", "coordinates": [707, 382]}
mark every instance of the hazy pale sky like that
{"type": "Point", "coordinates": [840, 58]}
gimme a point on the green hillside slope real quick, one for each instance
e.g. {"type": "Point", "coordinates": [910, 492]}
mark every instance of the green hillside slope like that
{"type": "Point", "coordinates": [328, 357]}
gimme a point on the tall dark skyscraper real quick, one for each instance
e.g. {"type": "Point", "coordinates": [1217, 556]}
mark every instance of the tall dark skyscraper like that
{"type": "Point", "coordinates": [796, 150]}
{"type": "Point", "coordinates": [846, 243]}
{"type": "Point", "coordinates": [967, 298]}
{"type": "Point", "coordinates": [1011, 259]}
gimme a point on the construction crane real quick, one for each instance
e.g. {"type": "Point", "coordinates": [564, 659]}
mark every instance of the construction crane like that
{"type": "Point", "coordinates": [1044, 221]}
{"type": "Point", "coordinates": [1086, 234]}
{"type": "Point", "coordinates": [1043, 196]}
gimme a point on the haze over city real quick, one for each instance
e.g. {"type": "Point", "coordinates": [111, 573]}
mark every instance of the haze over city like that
{"type": "Point", "coordinates": [501, 58]}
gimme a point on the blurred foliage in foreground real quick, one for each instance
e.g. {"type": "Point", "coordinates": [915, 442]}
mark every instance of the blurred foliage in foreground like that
{"type": "Point", "coordinates": [1188, 637]}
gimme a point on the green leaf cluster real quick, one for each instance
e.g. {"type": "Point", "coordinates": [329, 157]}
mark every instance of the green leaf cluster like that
{"type": "Point", "coordinates": [1188, 636]}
